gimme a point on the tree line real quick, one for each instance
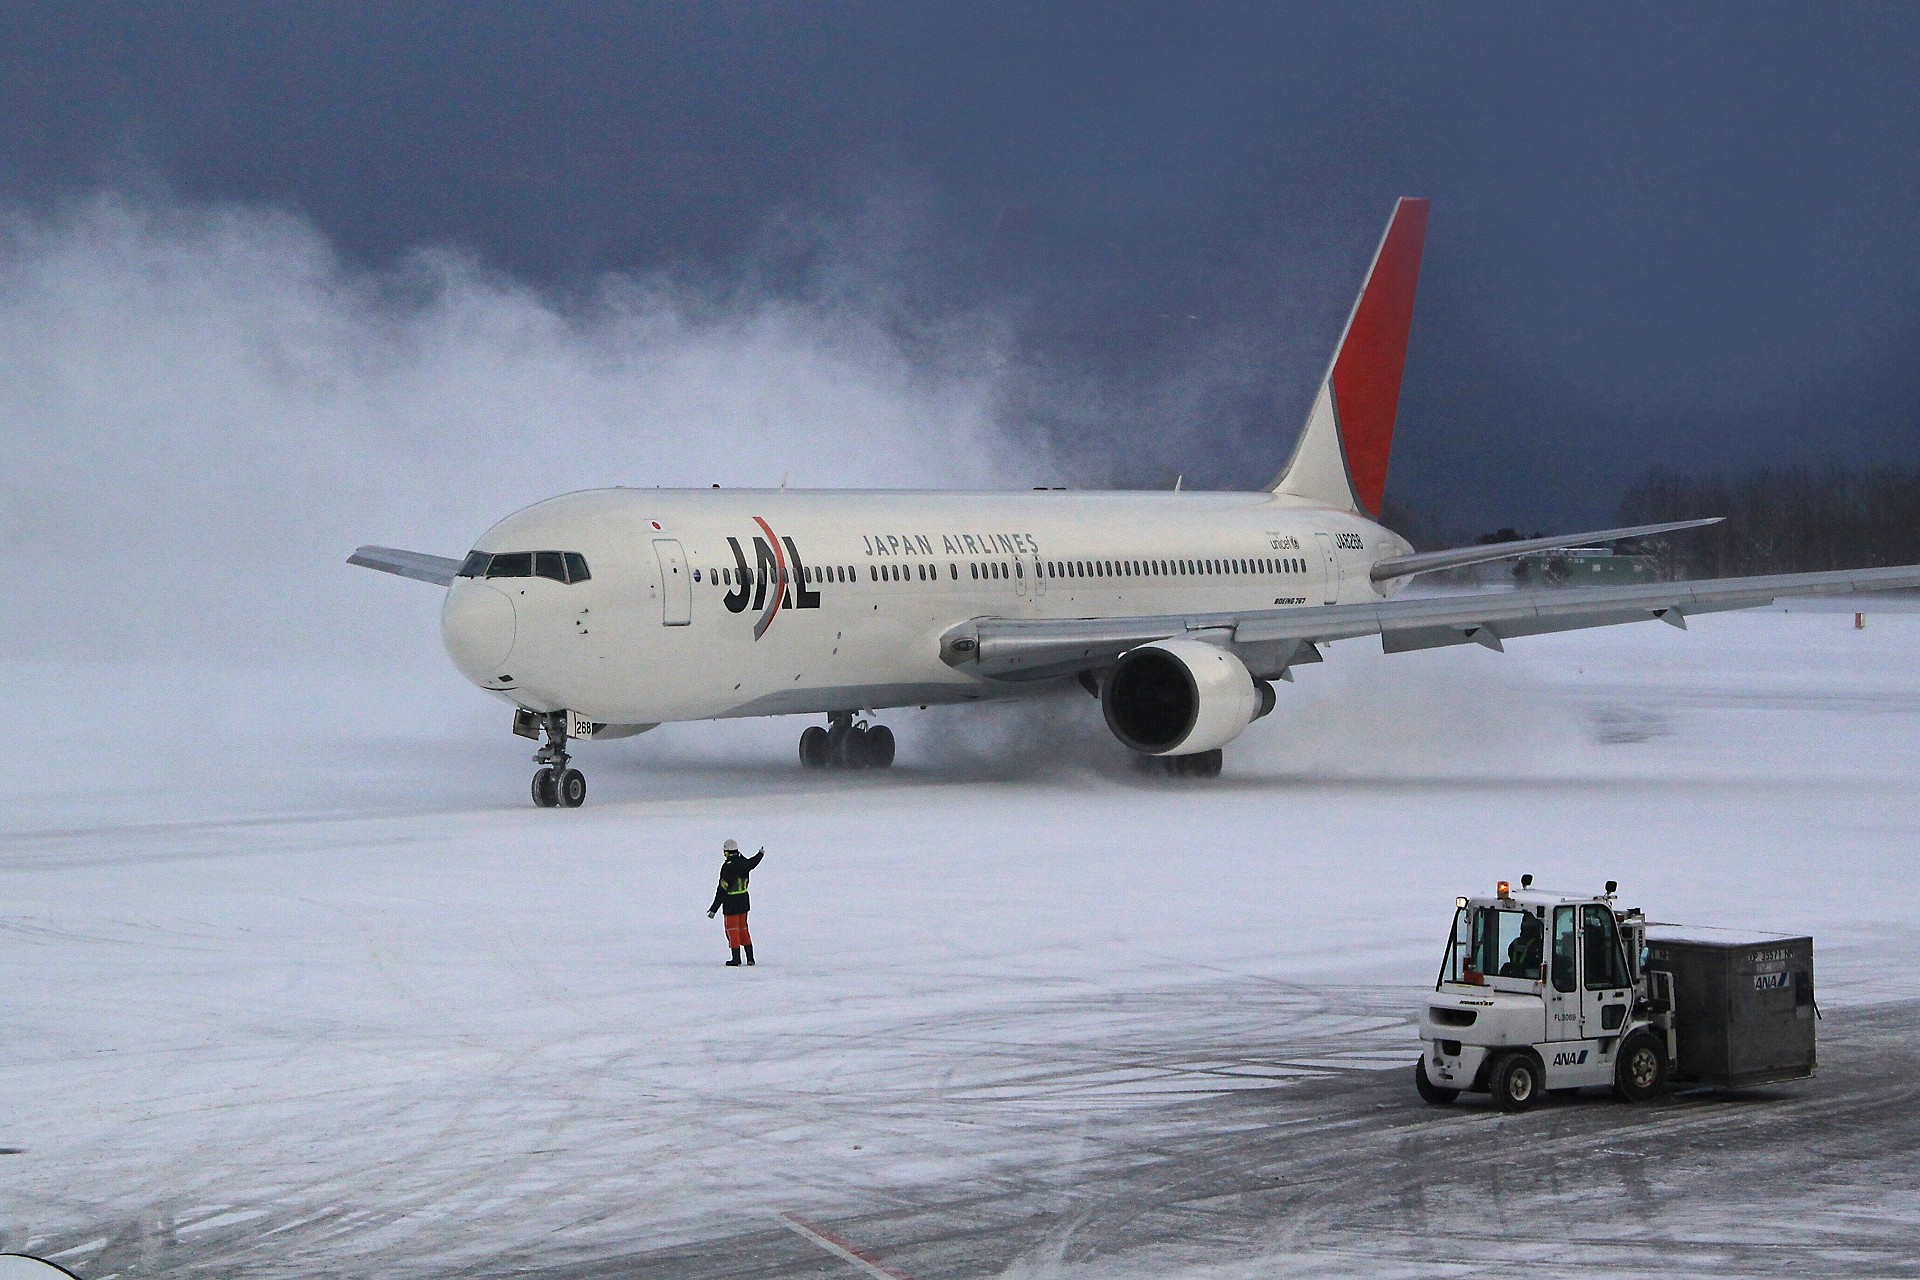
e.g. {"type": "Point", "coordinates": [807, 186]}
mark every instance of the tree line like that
{"type": "Point", "coordinates": [1780, 519]}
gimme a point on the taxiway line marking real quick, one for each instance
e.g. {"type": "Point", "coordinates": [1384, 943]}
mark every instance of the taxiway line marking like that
{"type": "Point", "coordinates": [839, 1248]}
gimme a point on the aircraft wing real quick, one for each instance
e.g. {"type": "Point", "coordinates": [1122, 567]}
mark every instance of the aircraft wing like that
{"type": "Point", "coordinates": [1271, 640]}
{"type": "Point", "coordinates": [417, 565]}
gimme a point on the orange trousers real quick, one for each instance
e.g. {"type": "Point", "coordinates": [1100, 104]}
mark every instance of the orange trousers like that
{"type": "Point", "coordinates": [737, 935]}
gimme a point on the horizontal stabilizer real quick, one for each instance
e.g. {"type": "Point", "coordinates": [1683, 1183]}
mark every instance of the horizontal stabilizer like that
{"type": "Point", "coordinates": [1460, 557]}
{"type": "Point", "coordinates": [418, 565]}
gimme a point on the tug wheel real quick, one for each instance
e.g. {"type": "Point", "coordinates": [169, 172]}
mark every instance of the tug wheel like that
{"type": "Point", "coordinates": [1640, 1072]}
{"type": "Point", "coordinates": [1515, 1082]}
{"type": "Point", "coordinates": [1430, 1092]}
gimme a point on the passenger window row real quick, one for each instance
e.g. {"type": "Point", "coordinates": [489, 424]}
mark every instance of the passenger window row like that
{"type": "Point", "coordinates": [1002, 571]}
{"type": "Point", "coordinates": [912, 572]}
{"type": "Point", "coordinates": [1175, 568]}
{"type": "Point", "coordinates": [813, 574]}
{"type": "Point", "coordinates": [561, 566]}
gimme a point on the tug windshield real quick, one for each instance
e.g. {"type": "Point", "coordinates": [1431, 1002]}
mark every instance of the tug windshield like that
{"type": "Point", "coordinates": [1494, 942]}
{"type": "Point", "coordinates": [1458, 942]}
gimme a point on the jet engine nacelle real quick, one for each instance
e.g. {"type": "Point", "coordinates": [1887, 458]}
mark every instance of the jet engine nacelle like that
{"type": "Point", "coordinates": [1179, 697]}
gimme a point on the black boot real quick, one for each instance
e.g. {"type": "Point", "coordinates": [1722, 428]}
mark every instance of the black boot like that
{"type": "Point", "coordinates": [736, 959]}
{"type": "Point", "coordinates": [749, 953]}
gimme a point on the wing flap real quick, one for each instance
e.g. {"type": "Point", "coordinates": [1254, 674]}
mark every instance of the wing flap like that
{"type": "Point", "coordinates": [418, 565]}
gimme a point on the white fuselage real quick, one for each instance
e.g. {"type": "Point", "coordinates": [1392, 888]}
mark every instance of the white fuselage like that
{"type": "Point", "coordinates": [872, 582]}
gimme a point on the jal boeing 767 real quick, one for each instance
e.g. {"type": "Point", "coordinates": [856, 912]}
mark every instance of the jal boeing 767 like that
{"type": "Point", "coordinates": [604, 613]}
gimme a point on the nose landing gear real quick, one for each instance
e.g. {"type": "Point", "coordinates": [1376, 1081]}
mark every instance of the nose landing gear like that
{"type": "Point", "coordinates": [847, 743]}
{"type": "Point", "coordinates": [559, 788]}
{"type": "Point", "coordinates": [556, 785]}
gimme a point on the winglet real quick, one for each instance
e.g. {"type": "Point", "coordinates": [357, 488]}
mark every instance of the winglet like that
{"type": "Point", "coordinates": [1341, 459]}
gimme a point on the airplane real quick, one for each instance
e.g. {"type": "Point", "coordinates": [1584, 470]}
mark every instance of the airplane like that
{"type": "Point", "coordinates": [605, 613]}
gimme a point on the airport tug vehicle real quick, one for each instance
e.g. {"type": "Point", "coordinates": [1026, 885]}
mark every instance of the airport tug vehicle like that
{"type": "Point", "coordinates": [1543, 991]}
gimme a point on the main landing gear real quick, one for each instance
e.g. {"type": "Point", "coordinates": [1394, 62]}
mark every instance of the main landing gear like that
{"type": "Point", "coordinates": [847, 743]}
{"type": "Point", "coordinates": [1201, 764]}
{"type": "Point", "coordinates": [556, 785]}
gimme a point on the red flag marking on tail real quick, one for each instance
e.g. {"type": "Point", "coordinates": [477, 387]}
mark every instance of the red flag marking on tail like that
{"type": "Point", "coordinates": [1366, 374]}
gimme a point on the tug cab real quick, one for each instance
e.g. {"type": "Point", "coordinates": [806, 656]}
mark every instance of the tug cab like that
{"type": "Point", "coordinates": [1545, 991]}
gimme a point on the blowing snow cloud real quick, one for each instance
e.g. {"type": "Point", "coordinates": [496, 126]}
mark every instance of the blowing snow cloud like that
{"type": "Point", "coordinates": [207, 409]}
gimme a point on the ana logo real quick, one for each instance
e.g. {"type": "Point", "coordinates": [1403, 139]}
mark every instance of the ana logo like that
{"type": "Point", "coordinates": [1769, 981]}
{"type": "Point", "coordinates": [777, 580]}
{"type": "Point", "coordinates": [1570, 1059]}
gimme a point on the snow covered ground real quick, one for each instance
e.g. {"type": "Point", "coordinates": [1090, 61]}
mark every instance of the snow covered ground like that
{"type": "Point", "coordinates": [299, 982]}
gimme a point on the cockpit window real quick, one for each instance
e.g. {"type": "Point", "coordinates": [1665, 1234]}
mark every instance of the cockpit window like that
{"type": "Point", "coordinates": [561, 566]}
{"type": "Point", "coordinates": [511, 564]}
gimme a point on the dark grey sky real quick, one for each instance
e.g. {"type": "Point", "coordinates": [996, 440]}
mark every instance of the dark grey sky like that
{"type": "Point", "coordinates": [1683, 234]}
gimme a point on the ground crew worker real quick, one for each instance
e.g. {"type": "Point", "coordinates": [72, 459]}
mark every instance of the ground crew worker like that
{"type": "Point", "coordinates": [731, 897]}
{"type": "Point", "coordinates": [1523, 953]}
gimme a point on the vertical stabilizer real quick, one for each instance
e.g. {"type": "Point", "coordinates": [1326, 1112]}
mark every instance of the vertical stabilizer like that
{"type": "Point", "coordinates": [1341, 459]}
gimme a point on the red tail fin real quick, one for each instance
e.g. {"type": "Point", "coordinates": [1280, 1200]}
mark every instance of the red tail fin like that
{"type": "Point", "coordinates": [1343, 452]}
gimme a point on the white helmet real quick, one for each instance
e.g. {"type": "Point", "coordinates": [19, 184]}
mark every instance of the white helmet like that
{"type": "Point", "coordinates": [730, 846]}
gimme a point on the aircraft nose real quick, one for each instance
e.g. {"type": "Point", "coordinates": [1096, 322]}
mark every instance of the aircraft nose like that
{"type": "Point", "coordinates": [477, 626]}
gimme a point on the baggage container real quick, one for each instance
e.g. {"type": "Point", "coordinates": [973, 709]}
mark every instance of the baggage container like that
{"type": "Point", "coordinates": [1743, 1004]}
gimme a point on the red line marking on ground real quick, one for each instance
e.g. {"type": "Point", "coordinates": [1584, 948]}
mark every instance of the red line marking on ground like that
{"type": "Point", "coordinates": [841, 1249]}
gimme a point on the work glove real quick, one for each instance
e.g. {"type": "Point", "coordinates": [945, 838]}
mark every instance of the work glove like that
{"type": "Point", "coordinates": [710, 915]}
{"type": "Point", "coordinates": [763, 849]}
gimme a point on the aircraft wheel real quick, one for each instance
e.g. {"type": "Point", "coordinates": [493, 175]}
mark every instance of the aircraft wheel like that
{"type": "Point", "coordinates": [571, 789]}
{"type": "Point", "coordinates": [880, 747]}
{"type": "Point", "coordinates": [545, 789]}
{"type": "Point", "coordinates": [1640, 1072]}
{"type": "Point", "coordinates": [852, 753]}
{"type": "Point", "coordinates": [1429, 1091]}
{"type": "Point", "coordinates": [1515, 1082]}
{"type": "Point", "coordinates": [813, 747]}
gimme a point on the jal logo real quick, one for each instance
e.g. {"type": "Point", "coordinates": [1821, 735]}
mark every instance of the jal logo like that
{"type": "Point", "coordinates": [777, 580]}
{"type": "Point", "coordinates": [1570, 1058]}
